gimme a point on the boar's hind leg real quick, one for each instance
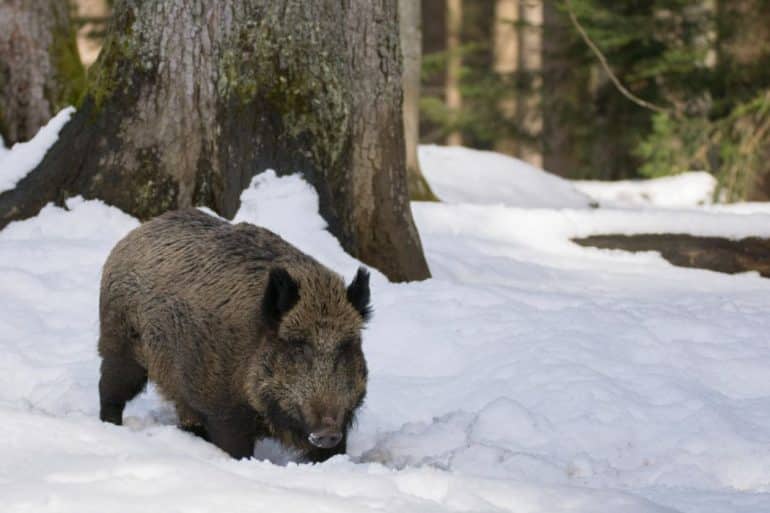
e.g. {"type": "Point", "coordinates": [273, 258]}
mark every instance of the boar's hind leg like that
{"type": "Point", "coordinates": [122, 379]}
{"type": "Point", "coordinates": [234, 433]}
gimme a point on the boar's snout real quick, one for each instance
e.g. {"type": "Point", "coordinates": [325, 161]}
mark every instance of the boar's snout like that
{"type": "Point", "coordinates": [325, 439]}
{"type": "Point", "coordinates": [328, 435]}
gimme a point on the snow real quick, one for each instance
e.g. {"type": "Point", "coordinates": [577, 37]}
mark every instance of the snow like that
{"type": "Point", "coordinates": [683, 190]}
{"type": "Point", "coordinates": [463, 175]}
{"type": "Point", "coordinates": [528, 375]}
{"type": "Point", "coordinates": [25, 156]}
{"type": "Point", "coordinates": [741, 208]}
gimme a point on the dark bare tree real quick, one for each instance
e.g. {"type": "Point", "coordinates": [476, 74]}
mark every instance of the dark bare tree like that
{"type": "Point", "coordinates": [190, 98]}
{"type": "Point", "coordinates": [40, 70]}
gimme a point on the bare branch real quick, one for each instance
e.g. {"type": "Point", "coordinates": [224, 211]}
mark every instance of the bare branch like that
{"type": "Point", "coordinates": [603, 60]}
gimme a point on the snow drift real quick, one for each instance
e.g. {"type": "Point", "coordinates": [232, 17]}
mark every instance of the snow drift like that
{"type": "Point", "coordinates": [463, 175]}
{"type": "Point", "coordinates": [690, 189]}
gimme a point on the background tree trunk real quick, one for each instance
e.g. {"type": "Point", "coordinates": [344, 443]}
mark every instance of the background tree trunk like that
{"type": "Point", "coordinates": [411, 47]}
{"type": "Point", "coordinates": [529, 113]}
{"type": "Point", "coordinates": [518, 59]}
{"type": "Point", "coordinates": [454, 21]}
{"type": "Point", "coordinates": [40, 70]}
{"type": "Point", "coordinates": [565, 94]}
{"type": "Point", "coordinates": [190, 98]}
{"type": "Point", "coordinates": [506, 64]}
{"type": "Point", "coordinates": [433, 83]}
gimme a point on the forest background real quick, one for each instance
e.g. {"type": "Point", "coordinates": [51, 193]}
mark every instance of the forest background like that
{"type": "Point", "coordinates": [587, 89]}
{"type": "Point", "coordinates": [532, 86]}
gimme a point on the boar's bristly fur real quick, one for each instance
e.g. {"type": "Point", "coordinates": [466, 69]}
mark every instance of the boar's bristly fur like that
{"type": "Point", "coordinates": [246, 335]}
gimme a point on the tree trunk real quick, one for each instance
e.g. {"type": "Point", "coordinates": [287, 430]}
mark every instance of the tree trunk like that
{"type": "Point", "coordinates": [433, 83]}
{"type": "Point", "coordinates": [506, 64]}
{"type": "Point", "coordinates": [565, 94]}
{"type": "Point", "coordinates": [517, 57]}
{"type": "Point", "coordinates": [454, 20]}
{"type": "Point", "coordinates": [190, 98]}
{"type": "Point", "coordinates": [529, 114]}
{"type": "Point", "coordinates": [40, 70]}
{"type": "Point", "coordinates": [411, 46]}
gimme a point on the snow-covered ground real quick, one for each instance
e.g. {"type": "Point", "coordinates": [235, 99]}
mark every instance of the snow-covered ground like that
{"type": "Point", "coordinates": [683, 190]}
{"type": "Point", "coordinates": [463, 175]}
{"type": "Point", "coordinates": [528, 375]}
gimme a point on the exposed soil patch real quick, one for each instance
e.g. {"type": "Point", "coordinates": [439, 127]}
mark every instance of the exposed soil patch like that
{"type": "Point", "coordinates": [713, 253]}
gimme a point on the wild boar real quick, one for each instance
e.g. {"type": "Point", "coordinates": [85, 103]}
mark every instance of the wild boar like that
{"type": "Point", "coordinates": [246, 335]}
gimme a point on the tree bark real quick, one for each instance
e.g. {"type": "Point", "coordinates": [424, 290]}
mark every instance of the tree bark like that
{"type": "Point", "coordinates": [411, 47]}
{"type": "Point", "coordinates": [40, 70]}
{"type": "Point", "coordinates": [190, 98]}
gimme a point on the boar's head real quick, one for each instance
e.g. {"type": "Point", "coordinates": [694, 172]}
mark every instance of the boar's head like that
{"type": "Point", "coordinates": [311, 373]}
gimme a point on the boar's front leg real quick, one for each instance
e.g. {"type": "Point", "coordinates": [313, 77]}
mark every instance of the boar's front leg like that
{"type": "Point", "coordinates": [233, 431]}
{"type": "Point", "coordinates": [121, 380]}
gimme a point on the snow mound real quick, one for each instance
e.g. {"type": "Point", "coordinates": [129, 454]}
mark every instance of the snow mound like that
{"type": "Point", "coordinates": [463, 175]}
{"type": "Point", "coordinates": [279, 203]}
{"type": "Point", "coordinates": [690, 189]}
{"type": "Point", "coordinates": [24, 157]}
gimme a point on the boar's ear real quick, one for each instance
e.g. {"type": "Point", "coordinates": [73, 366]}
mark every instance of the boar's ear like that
{"type": "Point", "coordinates": [358, 293]}
{"type": "Point", "coordinates": [281, 294]}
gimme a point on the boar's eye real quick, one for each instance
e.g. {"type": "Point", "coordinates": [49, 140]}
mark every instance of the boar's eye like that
{"type": "Point", "coordinates": [301, 349]}
{"type": "Point", "coordinates": [346, 346]}
{"type": "Point", "coordinates": [345, 351]}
